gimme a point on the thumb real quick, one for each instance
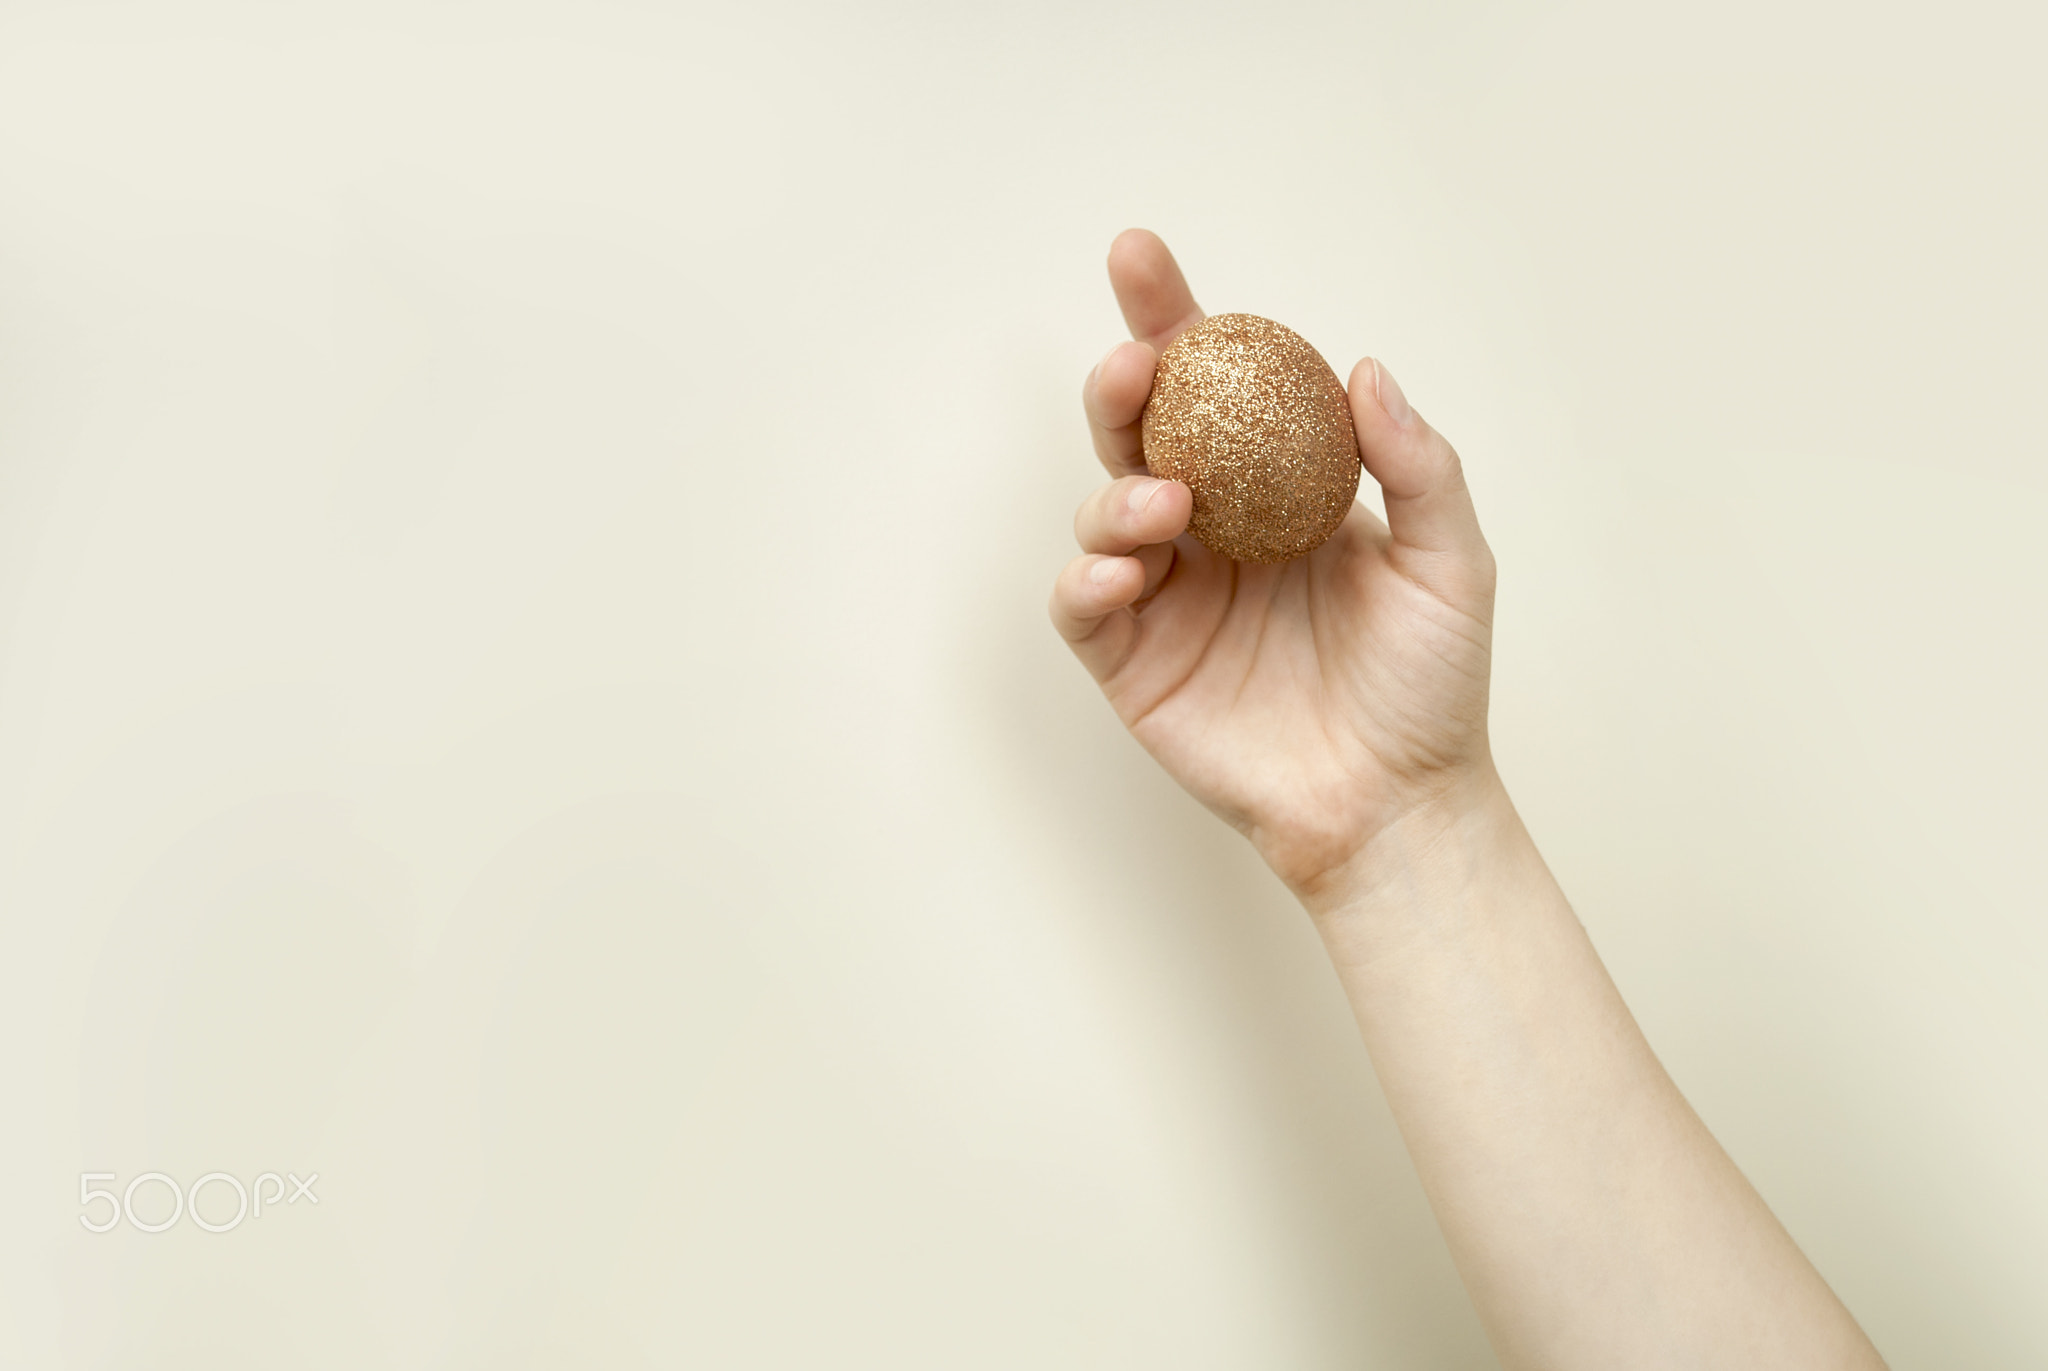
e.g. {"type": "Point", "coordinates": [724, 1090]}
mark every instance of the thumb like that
{"type": "Point", "coordinates": [1429, 510]}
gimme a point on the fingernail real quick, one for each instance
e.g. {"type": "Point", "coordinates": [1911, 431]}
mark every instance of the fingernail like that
{"type": "Point", "coordinates": [1389, 392]}
{"type": "Point", "coordinates": [1143, 494]}
{"type": "Point", "coordinates": [1104, 571]}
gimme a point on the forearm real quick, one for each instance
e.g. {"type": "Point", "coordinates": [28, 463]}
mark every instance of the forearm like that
{"type": "Point", "coordinates": [1594, 1219]}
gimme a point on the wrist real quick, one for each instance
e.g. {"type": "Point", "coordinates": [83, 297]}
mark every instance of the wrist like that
{"type": "Point", "coordinates": [1421, 865]}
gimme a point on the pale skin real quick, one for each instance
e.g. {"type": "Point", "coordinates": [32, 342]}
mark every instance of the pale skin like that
{"type": "Point", "coordinates": [1333, 710]}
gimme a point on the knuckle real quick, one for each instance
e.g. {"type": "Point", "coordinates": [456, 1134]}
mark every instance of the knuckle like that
{"type": "Point", "coordinates": [1089, 515]}
{"type": "Point", "coordinates": [1445, 457]}
{"type": "Point", "coordinates": [1106, 509]}
{"type": "Point", "coordinates": [1485, 570]}
{"type": "Point", "coordinates": [1059, 605]}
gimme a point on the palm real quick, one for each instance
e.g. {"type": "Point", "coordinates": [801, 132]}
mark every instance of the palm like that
{"type": "Point", "coordinates": [1307, 702]}
{"type": "Point", "coordinates": [1303, 702]}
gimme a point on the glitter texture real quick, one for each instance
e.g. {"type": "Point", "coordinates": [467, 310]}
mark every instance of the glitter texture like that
{"type": "Point", "coordinates": [1256, 424]}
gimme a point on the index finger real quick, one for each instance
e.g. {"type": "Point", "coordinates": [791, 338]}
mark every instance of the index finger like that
{"type": "Point", "coordinates": [1114, 398]}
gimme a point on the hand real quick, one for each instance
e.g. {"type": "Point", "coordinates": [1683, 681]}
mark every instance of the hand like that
{"type": "Point", "coordinates": [1312, 704]}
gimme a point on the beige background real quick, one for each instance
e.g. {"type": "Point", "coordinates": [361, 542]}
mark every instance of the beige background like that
{"type": "Point", "coordinates": [524, 686]}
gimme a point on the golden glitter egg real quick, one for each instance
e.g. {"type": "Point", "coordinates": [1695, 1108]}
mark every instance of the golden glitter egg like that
{"type": "Point", "coordinates": [1256, 424]}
